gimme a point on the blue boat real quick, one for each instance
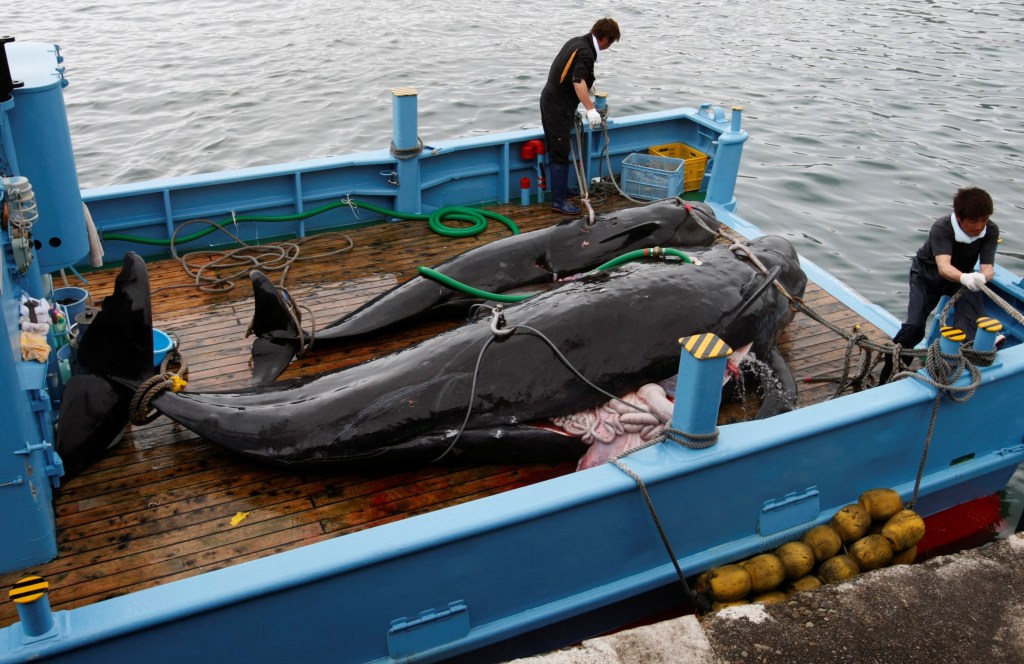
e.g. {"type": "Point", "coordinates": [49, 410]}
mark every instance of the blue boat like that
{"type": "Point", "coordinates": [523, 570]}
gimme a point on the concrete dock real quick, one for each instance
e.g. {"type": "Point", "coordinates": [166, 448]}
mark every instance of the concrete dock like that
{"type": "Point", "coordinates": [965, 608]}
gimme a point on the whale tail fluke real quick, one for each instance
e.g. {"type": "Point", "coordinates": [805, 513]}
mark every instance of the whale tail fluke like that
{"type": "Point", "coordinates": [113, 357]}
{"type": "Point", "coordinates": [278, 338]}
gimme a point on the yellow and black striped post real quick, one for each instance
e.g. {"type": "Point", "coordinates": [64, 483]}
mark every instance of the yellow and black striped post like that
{"type": "Point", "coordinates": [952, 337]}
{"type": "Point", "coordinates": [988, 330]}
{"type": "Point", "coordinates": [29, 594]}
{"type": "Point", "coordinates": [699, 386]}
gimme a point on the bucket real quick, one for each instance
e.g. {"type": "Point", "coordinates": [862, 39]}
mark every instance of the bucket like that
{"type": "Point", "coordinates": [162, 344]}
{"type": "Point", "coordinates": [71, 298]}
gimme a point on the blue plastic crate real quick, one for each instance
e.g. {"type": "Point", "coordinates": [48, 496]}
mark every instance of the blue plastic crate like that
{"type": "Point", "coordinates": [651, 178]}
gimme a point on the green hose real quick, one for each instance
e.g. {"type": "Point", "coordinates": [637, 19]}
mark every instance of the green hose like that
{"type": "Point", "coordinates": [499, 297]}
{"type": "Point", "coordinates": [478, 219]}
{"type": "Point", "coordinates": [641, 253]}
{"type": "Point", "coordinates": [469, 290]}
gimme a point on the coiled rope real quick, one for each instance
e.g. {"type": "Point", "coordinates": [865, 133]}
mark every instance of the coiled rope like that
{"type": "Point", "coordinates": [943, 370]}
{"type": "Point", "coordinates": [173, 375]}
{"type": "Point", "coordinates": [405, 154]}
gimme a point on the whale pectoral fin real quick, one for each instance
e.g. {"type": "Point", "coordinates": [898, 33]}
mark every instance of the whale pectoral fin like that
{"type": "Point", "coordinates": [634, 235]}
{"type": "Point", "coordinates": [780, 390]}
{"type": "Point", "coordinates": [277, 336]}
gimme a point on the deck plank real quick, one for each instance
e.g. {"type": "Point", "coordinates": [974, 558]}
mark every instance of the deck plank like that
{"type": "Point", "coordinates": [158, 507]}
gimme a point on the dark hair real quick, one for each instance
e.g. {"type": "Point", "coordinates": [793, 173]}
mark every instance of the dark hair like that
{"type": "Point", "coordinates": [972, 203]}
{"type": "Point", "coordinates": [606, 28]}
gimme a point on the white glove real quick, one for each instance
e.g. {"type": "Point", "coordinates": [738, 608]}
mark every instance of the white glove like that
{"type": "Point", "coordinates": [973, 280]}
{"type": "Point", "coordinates": [591, 116]}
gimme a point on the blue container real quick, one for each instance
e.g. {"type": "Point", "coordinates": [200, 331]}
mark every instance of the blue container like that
{"type": "Point", "coordinates": [73, 299]}
{"type": "Point", "coordinates": [162, 344]}
{"type": "Point", "coordinates": [42, 145]}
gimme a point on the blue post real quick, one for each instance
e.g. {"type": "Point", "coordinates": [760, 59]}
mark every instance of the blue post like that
{"type": "Point", "coordinates": [699, 385]}
{"type": "Point", "coordinates": [29, 594]}
{"type": "Point", "coordinates": [988, 330]}
{"type": "Point", "coordinates": [952, 337]}
{"type": "Point", "coordinates": [405, 146]}
{"type": "Point", "coordinates": [726, 168]}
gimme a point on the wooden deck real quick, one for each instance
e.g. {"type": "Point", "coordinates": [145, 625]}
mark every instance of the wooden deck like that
{"type": "Point", "coordinates": [159, 507]}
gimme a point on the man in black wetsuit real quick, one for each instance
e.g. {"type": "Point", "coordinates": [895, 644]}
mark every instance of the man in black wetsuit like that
{"type": "Point", "coordinates": [569, 81]}
{"type": "Point", "coordinates": [955, 244]}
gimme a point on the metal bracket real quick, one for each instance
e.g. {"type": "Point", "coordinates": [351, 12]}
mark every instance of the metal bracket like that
{"type": "Point", "coordinates": [431, 630]}
{"type": "Point", "coordinates": [789, 511]}
{"type": "Point", "coordinates": [52, 463]}
{"type": "Point", "coordinates": [1006, 451]}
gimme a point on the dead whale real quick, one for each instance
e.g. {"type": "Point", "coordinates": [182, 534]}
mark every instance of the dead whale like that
{"type": "Point", "coordinates": [474, 392]}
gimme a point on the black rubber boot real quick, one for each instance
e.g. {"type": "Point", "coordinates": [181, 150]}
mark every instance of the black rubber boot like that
{"type": "Point", "coordinates": [559, 190]}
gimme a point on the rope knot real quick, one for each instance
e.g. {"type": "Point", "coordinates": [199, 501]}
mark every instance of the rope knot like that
{"type": "Point", "coordinates": [140, 410]}
{"type": "Point", "coordinates": [693, 441]}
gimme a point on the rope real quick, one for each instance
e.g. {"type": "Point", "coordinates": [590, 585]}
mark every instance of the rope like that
{"type": "Point", "coordinates": [694, 441]}
{"type": "Point", "coordinates": [243, 259]}
{"type": "Point", "coordinates": [581, 173]}
{"type": "Point", "coordinates": [404, 154]}
{"type": "Point", "coordinates": [139, 410]}
{"type": "Point", "coordinates": [943, 370]}
{"type": "Point", "coordinates": [691, 441]}
{"type": "Point", "coordinates": [173, 375]}
{"type": "Point", "coordinates": [607, 160]}
{"type": "Point", "coordinates": [698, 601]}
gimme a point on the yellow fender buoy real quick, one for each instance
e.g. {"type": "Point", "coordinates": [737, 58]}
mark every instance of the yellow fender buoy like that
{"type": "Point", "coordinates": [838, 568]}
{"type": "Point", "coordinates": [771, 597]}
{"type": "Point", "coordinates": [727, 583]}
{"type": "Point", "coordinates": [881, 504]}
{"type": "Point", "coordinates": [809, 582]}
{"type": "Point", "coordinates": [871, 552]}
{"type": "Point", "coordinates": [797, 558]}
{"type": "Point", "coordinates": [904, 530]}
{"type": "Point", "coordinates": [824, 541]}
{"type": "Point", "coordinates": [766, 572]}
{"type": "Point", "coordinates": [851, 522]}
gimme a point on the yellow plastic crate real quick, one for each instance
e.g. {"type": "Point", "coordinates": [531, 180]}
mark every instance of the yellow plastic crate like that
{"type": "Point", "coordinates": [694, 162]}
